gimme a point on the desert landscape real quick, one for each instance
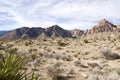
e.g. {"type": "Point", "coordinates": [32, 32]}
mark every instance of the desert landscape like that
{"type": "Point", "coordinates": [58, 54]}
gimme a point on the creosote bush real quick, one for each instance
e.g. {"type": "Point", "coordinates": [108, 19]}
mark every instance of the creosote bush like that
{"type": "Point", "coordinates": [60, 43]}
{"type": "Point", "coordinates": [86, 41]}
{"type": "Point", "coordinates": [108, 54]}
{"type": "Point", "coordinates": [55, 72]}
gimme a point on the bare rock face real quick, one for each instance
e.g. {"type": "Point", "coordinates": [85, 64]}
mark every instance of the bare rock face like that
{"type": "Point", "coordinates": [34, 32]}
{"type": "Point", "coordinates": [77, 32]}
{"type": "Point", "coordinates": [56, 31]}
{"type": "Point", "coordinates": [103, 26]}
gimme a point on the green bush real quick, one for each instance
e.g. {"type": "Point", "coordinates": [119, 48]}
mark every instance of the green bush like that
{"type": "Point", "coordinates": [60, 43]}
{"type": "Point", "coordinates": [86, 41]}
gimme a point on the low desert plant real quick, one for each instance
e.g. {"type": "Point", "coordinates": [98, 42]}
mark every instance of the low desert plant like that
{"type": "Point", "coordinates": [108, 54]}
{"type": "Point", "coordinates": [86, 41]}
{"type": "Point", "coordinates": [55, 72]}
{"type": "Point", "coordinates": [77, 63]}
{"type": "Point", "coordinates": [26, 43]}
{"type": "Point", "coordinates": [118, 37]}
{"type": "Point", "coordinates": [60, 43]}
{"type": "Point", "coordinates": [1, 43]}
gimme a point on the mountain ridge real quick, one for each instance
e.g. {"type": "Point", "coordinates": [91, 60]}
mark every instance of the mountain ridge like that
{"type": "Point", "coordinates": [56, 31]}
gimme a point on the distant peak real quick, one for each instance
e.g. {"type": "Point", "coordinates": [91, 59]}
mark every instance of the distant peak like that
{"type": "Point", "coordinates": [55, 26]}
{"type": "Point", "coordinates": [102, 21]}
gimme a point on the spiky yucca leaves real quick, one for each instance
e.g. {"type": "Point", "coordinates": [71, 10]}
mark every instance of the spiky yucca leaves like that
{"type": "Point", "coordinates": [11, 68]}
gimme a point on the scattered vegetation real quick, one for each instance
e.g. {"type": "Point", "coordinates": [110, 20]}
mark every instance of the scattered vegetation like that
{"type": "Point", "coordinates": [67, 59]}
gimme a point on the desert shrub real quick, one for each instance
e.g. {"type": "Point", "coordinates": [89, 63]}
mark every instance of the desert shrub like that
{"type": "Point", "coordinates": [55, 72]}
{"type": "Point", "coordinates": [86, 41]}
{"type": "Point", "coordinates": [33, 56]}
{"type": "Point", "coordinates": [44, 39]}
{"type": "Point", "coordinates": [26, 43]}
{"type": "Point", "coordinates": [118, 37]}
{"type": "Point", "coordinates": [47, 55]}
{"type": "Point", "coordinates": [1, 43]}
{"type": "Point", "coordinates": [108, 54]}
{"type": "Point", "coordinates": [60, 43]}
{"type": "Point", "coordinates": [76, 55]}
{"type": "Point", "coordinates": [59, 48]}
{"type": "Point", "coordinates": [77, 63]}
{"type": "Point", "coordinates": [66, 57]}
{"type": "Point", "coordinates": [93, 65]}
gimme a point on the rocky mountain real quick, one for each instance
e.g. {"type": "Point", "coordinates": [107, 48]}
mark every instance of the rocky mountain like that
{"type": "Point", "coordinates": [56, 31]}
{"type": "Point", "coordinates": [25, 32]}
{"type": "Point", "coordinates": [15, 34]}
{"type": "Point", "coordinates": [103, 26]}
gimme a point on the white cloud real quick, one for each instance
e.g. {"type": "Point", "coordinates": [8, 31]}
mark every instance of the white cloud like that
{"type": "Point", "coordinates": [69, 14]}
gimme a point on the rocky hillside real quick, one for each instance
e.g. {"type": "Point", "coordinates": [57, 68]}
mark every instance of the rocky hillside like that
{"type": "Point", "coordinates": [103, 26]}
{"type": "Point", "coordinates": [77, 33]}
{"type": "Point", "coordinates": [15, 34]}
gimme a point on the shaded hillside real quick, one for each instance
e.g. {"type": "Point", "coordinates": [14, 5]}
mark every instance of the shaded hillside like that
{"type": "Point", "coordinates": [15, 34]}
{"type": "Point", "coordinates": [56, 31]}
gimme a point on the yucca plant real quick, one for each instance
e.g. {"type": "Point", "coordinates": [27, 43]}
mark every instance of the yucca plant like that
{"type": "Point", "coordinates": [11, 68]}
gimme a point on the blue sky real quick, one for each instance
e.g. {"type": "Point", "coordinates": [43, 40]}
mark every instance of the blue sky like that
{"type": "Point", "coordinates": [69, 14]}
